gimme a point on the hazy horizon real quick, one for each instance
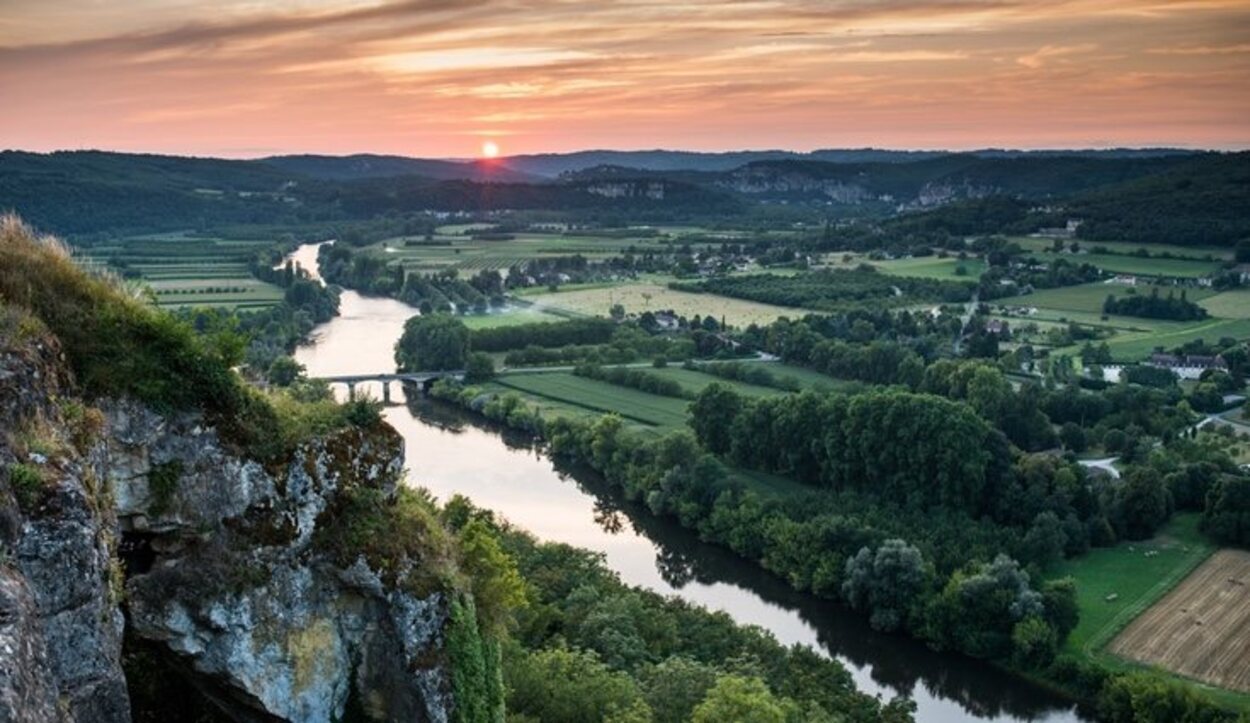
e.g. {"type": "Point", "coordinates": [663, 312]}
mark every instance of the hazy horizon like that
{"type": "Point", "coordinates": [720, 151]}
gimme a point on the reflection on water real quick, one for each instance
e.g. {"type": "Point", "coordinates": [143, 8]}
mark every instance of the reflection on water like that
{"type": "Point", "coordinates": [450, 453]}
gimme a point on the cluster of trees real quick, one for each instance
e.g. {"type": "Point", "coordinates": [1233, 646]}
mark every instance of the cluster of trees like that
{"type": "Point", "coordinates": [433, 342]}
{"type": "Point", "coordinates": [1025, 274]}
{"type": "Point", "coordinates": [820, 547]}
{"type": "Point", "coordinates": [948, 586]}
{"type": "Point", "coordinates": [439, 292]}
{"type": "Point", "coordinates": [628, 343]}
{"type": "Point", "coordinates": [757, 374]}
{"type": "Point", "coordinates": [903, 447]}
{"type": "Point", "coordinates": [832, 290]}
{"type": "Point", "coordinates": [795, 340]}
{"type": "Point", "coordinates": [639, 379]}
{"type": "Point", "coordinates": [593, 330]}
{"type": "Point", "coordinates": [583, 647]}
{"type": "Point", "coordinates": [1176, 308]}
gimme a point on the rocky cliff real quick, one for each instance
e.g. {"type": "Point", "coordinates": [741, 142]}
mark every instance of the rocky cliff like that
{"type": "Point", "coordinates": [117, 520]}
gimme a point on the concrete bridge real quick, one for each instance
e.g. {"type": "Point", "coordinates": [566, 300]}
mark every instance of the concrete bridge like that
{"type": "Point", "coordinates": [425, 379]}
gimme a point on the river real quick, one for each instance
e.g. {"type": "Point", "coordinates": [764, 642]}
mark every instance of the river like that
{"type": "Point", "coordinates": [450, 452]}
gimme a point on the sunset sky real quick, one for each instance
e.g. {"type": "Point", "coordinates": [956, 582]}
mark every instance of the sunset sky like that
{"type": "Point", "coordinates": [438, 78]}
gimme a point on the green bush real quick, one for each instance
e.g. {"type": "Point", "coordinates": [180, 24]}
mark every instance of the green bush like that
{"type": "Point", "coordinates": [27, 484]}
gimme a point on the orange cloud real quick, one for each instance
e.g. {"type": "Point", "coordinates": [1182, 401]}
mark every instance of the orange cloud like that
{"type": "Point", "coordinates": [423, 76]}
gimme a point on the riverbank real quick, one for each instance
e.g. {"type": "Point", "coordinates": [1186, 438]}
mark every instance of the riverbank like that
{"type": "Point", "coordinates": [1081, 677]}
{"type": "Point", "coordinates": [450, 454]}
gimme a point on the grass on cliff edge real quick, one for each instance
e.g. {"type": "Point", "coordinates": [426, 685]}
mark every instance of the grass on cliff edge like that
{"type": "Point", "coordinates": [117, 345]}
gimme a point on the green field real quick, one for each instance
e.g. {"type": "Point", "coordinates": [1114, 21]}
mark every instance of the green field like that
{"type": "Point", "coordinates": [1135, 338]}
{"type": "Point", "coordinates": [454, 250]}
{"type": "Point", "coordinates": [185, 270]}
{"type": "Point", "coordinates": [1132, 347]}
{"type": "Point", "coordinates": [1234, 304]}
{"type": "Point", "coordinates": [594, 396]}
{"type": "Point", "coordinates": [1181, 268]}
{"type": "Point", "coordinates": [652, 296]}
{"type": "Point", "coordinates": [1136, 579]}
{"type": "Point", "coordinates": [1089, 298]}
{"type": "Point", "coordinates": [932, 267]}
{"type": "Point", "coordinates": [1220, 253]}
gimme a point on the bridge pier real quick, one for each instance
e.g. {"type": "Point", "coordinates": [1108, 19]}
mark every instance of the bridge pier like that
{"type": "Point", "coordinates": [351, 391]}
{"type": "Point", "coordinates": [386, 392]}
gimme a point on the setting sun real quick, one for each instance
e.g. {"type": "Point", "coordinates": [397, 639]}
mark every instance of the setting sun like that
{"type": "Point", "coordinates": [490, 149]}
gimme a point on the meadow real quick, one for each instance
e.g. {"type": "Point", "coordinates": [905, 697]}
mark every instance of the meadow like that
{"type": "Point", "coordinates": [1134, 347]}
{"type": "Point", "coordinates": [455, 248]}
{"type": "Point", "coordinates": [654, 296]}
{"type": "Point", "coordinates": [1116, 584]}
{"type": "Point", "coordinates": [1234, 304]}
{"type": "Point", "coordinates": [1135, 338]}
{"type": "Point", "coordinates": [932, 267]}
{"type": "Point", "coordinates": [1146, 266]}
{"type": "Point", "coordinates": [1203, 253]}
{"type": "Point", "coordinates": [594, 396]}
{"type": "Point", "coordinates": [1089, 298]}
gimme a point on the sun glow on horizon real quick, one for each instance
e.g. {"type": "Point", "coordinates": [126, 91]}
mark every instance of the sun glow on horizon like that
{"type": "Point", "coordinates": [490, 149]}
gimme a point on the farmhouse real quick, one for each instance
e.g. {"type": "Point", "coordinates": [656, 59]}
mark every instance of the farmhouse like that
{"type": "Point", "coordinates": [1189, 366]}
{"type": "Point", "coordinates": [667, 321]}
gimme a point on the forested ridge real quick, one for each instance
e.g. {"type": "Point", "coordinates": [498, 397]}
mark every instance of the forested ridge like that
{"type": "Point", "coordinates": [1172, 198]}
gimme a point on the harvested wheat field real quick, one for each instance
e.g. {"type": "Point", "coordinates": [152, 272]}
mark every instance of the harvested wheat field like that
{"type": "Point", "coordinates": [1202, 628]}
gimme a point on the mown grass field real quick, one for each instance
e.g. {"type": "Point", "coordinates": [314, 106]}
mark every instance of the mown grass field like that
{"type": "Point", "coordinates": [1201, 629]}
{"type": "Point", "coordinates": [1182, 268]}
{"type": "Point", "coordinates": [1133, 347]}
{"type": "Point", "coordinates": [1089, 298]}
{"type": "Point", "coordinates": [453, 249]}
{"type": "Point", "coordinates": [932, 267]}
{"type": "Point", "coordinates": [1118, 247]}
{"type": "Point", "coordinates": [1233, 304]}
{"type": "Point", "coordinates": [1135, 338]}
{"type": "Point", "coordinates": [185, 270]}
{"type": "Point", "coordinates": [597, 397]}
{"type": "Point", "coordinates": [652, 296]}
{"type": "Point", "coordinates": [1133, 576]}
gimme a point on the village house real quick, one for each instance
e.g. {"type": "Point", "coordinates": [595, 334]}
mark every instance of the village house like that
{"type": "Point", "coordinates": [1187, 366]}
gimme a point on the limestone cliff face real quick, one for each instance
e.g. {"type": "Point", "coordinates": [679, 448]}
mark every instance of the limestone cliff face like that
{"type": "Point", "coordinates": [223, 572]}
{"type": "Point", "coordinates": [60, 622]}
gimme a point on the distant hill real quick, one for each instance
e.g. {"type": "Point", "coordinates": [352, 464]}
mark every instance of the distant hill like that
{"type": "Point", "coordinates": [83, 192]}
{"type": "Point", "coordinates": [1198, 200]}
{"type": "Point", "coordinates": [935, 181]}
{"type": "Point", "coordinates": [1130, 195]}
{"type": "Point", "coordinates": [556, 164]}
{"type": "Point", "coordinates": [345, 168]}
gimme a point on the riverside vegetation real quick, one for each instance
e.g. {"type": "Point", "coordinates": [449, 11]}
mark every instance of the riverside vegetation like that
{"type": "Point", "coordinates": [543, 631]}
